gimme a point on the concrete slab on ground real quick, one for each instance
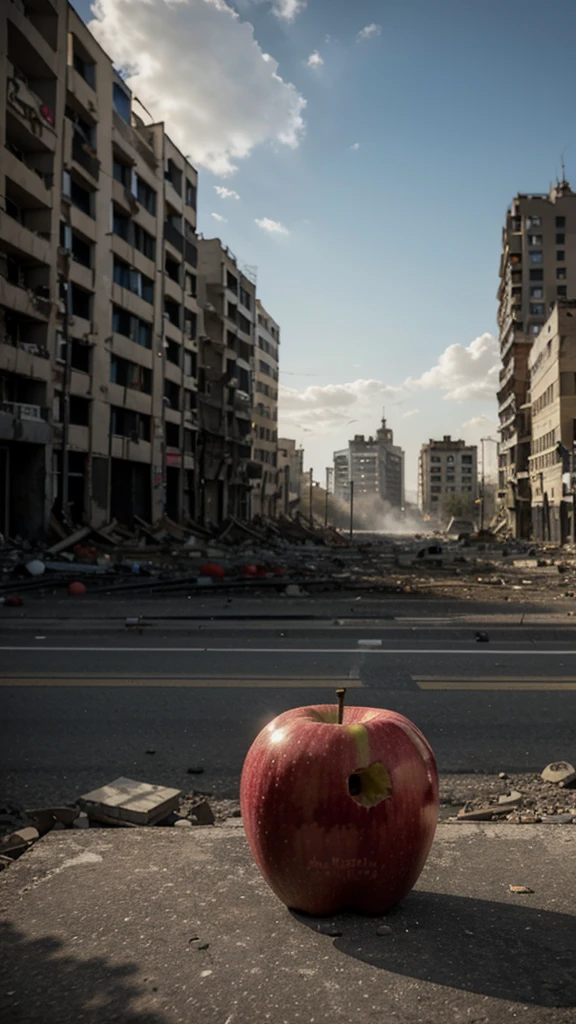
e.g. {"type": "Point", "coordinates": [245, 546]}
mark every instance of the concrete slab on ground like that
{"type": "Point", "coordinates": [168, 926]}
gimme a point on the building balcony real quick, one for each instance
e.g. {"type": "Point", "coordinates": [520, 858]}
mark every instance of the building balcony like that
{"type": "Point", "coordinates": [25, 301]}
{"type": "Point", "coordinates": [81, 222]}
{"type": "Point", "coordinates": [131, 302]}
{"type": "Point", "coordinates": [25, 359]}
{"type": "Point", "coordinates": [79, 327]}
{"type": "Point", "coordinates": [78, 152]}
{"type": "Point", "coordinates": [172, 196]}
{"type": "Point", "coordinates": [17, 239]}
{"type": "Point", "coordinates": [24, 422]}
{"type": "Point", "coordinates": [172, 416]}
{"type": "Point", "coordinates": [79, 274]}
{"type": "Point", "coordinates": [128, 349]}
{"type": "Point", "coordinates": [172, 290]}
{"type": "Point", "coordinates": [172, 372]}
{"type": "Point", "coordinates": [130, 398]}
{"type": "Point", "coordinates": [172, 332]}
{"type": "Point", "coordinates": [123, 198]}
{"type": "Point", "coordinates": [34, 118]}
{"type": "Point", "coordinates": [78, 437]}
{"type": "Point", "coordinates": [83, 93]}
{"type": "Point", "coordinates": [33, 182]}
{"type": "Point", "coordinates": [174, 237]}
{"type": "Point", "coordinates": [35, 41]}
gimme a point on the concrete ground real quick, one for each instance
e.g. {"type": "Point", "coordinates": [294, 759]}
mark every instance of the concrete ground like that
{"type": "Point", "coordinates": [165, 926]}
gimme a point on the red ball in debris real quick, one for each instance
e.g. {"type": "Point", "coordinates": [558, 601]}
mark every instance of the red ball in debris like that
{"type": "Point", "coordinates": [76, 588]}
{"type": "Point", "coordinates": [250, 570]}
{"type": "Point", "coordinates": [213, 570]}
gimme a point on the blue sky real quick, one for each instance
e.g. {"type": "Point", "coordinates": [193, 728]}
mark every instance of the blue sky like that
{"type": "Point", "coordinates": [392, 249]}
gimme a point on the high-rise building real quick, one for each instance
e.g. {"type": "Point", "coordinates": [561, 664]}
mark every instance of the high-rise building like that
{"type": "Point", "coordinates": [446, 469]}
{"type": "Point", "coordinates": [98, 307]}
{"type": "Point", "coordinates": [290, 473]}
{"type": "Point", "coordinates": [537, 267]}
{"type": "Point", "coordinates": [375, 464]}
{"type": "Point", "coordinates": [265, 416]}
{"type": "Point", "coordinates": [552, 367]}
{"type": "Point", "coordinates": [226, 467]}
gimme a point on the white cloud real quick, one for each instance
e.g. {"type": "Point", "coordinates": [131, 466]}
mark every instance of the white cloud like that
{"type": "Point", "coordinates": [219, 217]}
{"type": "Point", "coordinates": [314, 60]}
{"type": "Point", "coordinates": [368, 31]}
{"type": "Point", "coordinates": [287, 10]}
{"type": "Point", "coordinates": [355, 146]}
{"type": "Point", "coordinates": [273, 227]}
{"type": "Point", "coordinates": [226, 193]}
{"type": "Point", "coordinates": [463, 373]}
{"type": "Point", "coordinates": [197, 66]}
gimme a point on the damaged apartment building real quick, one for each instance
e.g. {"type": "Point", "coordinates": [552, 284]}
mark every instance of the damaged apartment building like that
{"type": "Point", "coordinates": [537, 269]}
{"type": "Point", "coordinates": [100, 322]}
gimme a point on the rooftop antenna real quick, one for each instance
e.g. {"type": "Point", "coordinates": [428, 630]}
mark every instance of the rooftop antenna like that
{"type": "Point", "coordinates": [563, 166]}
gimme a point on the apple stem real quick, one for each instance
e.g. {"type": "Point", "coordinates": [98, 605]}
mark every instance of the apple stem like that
{"type": "Point", "coordinates": [340, 694]}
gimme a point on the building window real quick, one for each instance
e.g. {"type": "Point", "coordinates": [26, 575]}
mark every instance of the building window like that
{"type": "Point", "coordinates": [121, 172]}
{"type": "Point", "coordinates": [231, 282]}
{"type": "Point", "coordinates": [172, 312]}
{"type": "Point", "coordinates": [536, 275]}
{"type": "Point", "coordinates": [190, 324]}
{"type": "Point", "coordinates": [560, 255]}
{"type": "Point", "coordinates": [467, 460]}
{"type": "Point", "coordinates": [436, 479]}
{"type": "Point", "coordinates": [434, 497]}
{"type": "Point", "coordinates": [81, 198]}
{"type": "Point", "coordinates": [535, 240]}
{"type": "Point", "coordinates": [560, 273]}
{"type": "Point", "coordinates": [435, 490]}
{"type": "Point", "coordinates": [136, 282]}
{"type": "Point", "coordinates": [79, 411]}
{"type": "Point", "coordinates": [145, 195]}
{"type": "Point", "coordinates": [560, 239]}
{"type": "Point", "coordinates": [535, 329]}
{"type": "Point", "coordinates": [450, 479]}
{"type": "Point", "coordinates": [191, 285]}
{"type": "Point", "coordinates": [536, 256]}
{"type": "Point", "coordinates": [190, 194]}
{"type": "Point", "coordinates": [560, 222]}
{"type": "Point", "coordinates": [536, 292]}
{"type": "Point", "coordinates": [435, 458]}
{"type": "Point", "coordinates": [561, 291]}
{"type": "Point", "coordinates": [536, 309]}
{"type": "Point", "coordinates": [533, 222]}
{"type": "Point", "coordinates": [130, 375]}
{"type": "Point", "coordinates": [449, 458]}
{"type": "Point", "coordinates": [121, 102]}
{"type": "Point", "coordinates": [131, 327]}
{"type": "Point", "coordinates": [85, 69]}
{"type": "Point", "coordinates": [80, 302]}
{"type": "Point", "coordinates": [126, 423]}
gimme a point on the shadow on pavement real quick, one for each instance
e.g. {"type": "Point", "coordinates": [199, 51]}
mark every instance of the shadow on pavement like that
{"type": "Point", "coordinates": [43, 985]}
{"type": "Point", "coordinates": [502, 950]}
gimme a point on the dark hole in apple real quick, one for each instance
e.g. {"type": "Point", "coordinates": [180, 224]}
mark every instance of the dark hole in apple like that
{"type": "Point", "coordinates": [370, 786]}
{"type": "Point", "coordinates": [354, 785]}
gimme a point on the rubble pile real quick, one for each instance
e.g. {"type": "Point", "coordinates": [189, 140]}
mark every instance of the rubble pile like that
{"type": "Point", "coordinates": [549, 798]}
{"type": "Point", "coordinates": [281, 555]}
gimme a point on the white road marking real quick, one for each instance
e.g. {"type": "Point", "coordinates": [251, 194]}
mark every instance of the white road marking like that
{"type": "Point", "coordinates": [295, 650]}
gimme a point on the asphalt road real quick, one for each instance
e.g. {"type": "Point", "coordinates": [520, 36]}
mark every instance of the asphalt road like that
{"type": "Point", "coordinates": [82, 703]}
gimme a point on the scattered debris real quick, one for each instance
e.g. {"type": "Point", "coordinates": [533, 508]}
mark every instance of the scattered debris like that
{"type": "Point", "coordinates": [76, 588]}
{"type": "Point", "coordinates": [326, 928]}
{"type": "Point", "coordinates": [202, 814]}
{"type": "Point", "coordinates": [140, 803]}
{"type": "Point", "coordinates": [558, 771]}
{"type": "Point", "coordinates": [482, 638]}
{"type": "Point", "coordinates": [197, 770]}
{"type": "Point", "coordinates": [520, 889]}
{"type": "Point", "coordinates": [384, 929]}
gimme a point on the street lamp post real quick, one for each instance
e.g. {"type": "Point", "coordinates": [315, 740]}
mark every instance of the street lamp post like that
{"type": "Point", "coordinates": [483, 480]}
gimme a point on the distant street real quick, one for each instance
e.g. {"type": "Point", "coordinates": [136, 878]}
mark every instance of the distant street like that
{"type": "Point", "coordinates": [83, 701]}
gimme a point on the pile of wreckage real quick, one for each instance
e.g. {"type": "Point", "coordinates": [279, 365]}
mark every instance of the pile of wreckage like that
{"type": "Point", "coordinates": [167, 556]}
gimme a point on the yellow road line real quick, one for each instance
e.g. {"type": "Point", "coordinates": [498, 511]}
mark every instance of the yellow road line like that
{"type": "Point", "coordinates": [181, 681]}
{"type": "Point", "coordinates": [496, 684]}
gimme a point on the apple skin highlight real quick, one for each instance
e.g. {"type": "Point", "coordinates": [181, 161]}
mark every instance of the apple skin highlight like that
{"type": "Point", "coordinates": [340, 817]}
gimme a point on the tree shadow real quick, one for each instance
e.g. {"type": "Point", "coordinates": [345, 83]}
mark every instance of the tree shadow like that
{"type": "Point", "coordinates": [503, 950]}
{"type": "Point", "coordinates": [43, 985]}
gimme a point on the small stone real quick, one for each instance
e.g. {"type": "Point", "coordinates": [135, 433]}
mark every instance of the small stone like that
{"type": "Point", "coordinates": [329, 929]}
{"type": "Point", "coordinates": [182, 823]}
{"type": "Point", "coordinates": [557, 819]}
{"type": "Point", "coordinates": [151, 750]}
{"type": "Point", "coordinates": [384, 929]}
{"type": "Point", "coordinates": [569, 782]}
{"type": "Point", "coordinates": [29, 835]}
{"type": "Point", "coordinates": [502, 775]}
{"type": "Point", "coordinates": [197, 770]}
{"type": "Point", "coordinates": [205, 945]}
{"type": "Point", "coordinates": [82, 821]}
{"type": "Point", "coordinates": [558, 771]}
{"type": "Point", "coordinates": [202, 814]}
{"type": "Point", "coordinates": [520, 890]}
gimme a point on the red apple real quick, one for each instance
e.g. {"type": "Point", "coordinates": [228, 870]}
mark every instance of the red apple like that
{"type": "Point", "coordinates": [340, 816]}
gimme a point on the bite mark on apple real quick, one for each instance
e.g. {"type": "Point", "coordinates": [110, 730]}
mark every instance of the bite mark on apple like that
{"type": "Point", "coordinates": [370, 786]}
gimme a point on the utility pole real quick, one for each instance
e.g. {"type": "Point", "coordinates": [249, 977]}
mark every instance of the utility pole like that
{"type": "Point", "coordinates": [311, 487]}
{"type": "Point", "coordinates": [351, 509]}
{"type": "Point", "coordinates": [326, 500]}
{"type": "Point", "coordinates": [66, 400]}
